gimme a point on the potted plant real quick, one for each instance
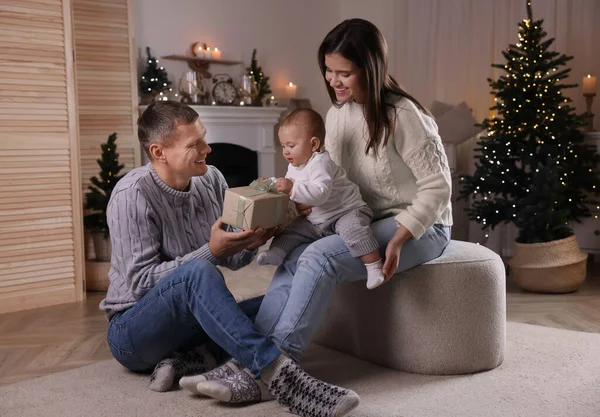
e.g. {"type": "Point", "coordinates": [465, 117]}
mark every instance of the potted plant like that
{"type": "Point", "coordinates": [533, 168]}
{"type": "Point", "coordinates": [98, 196]}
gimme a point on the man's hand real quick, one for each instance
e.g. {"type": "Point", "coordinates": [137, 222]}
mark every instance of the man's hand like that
{"type": "Point", "coordinates": [284, 185]}
{"type": "Point", "coordinates": [223, 244]}
{"type": "Point", "coordinates": [278, 230]}
{"type": "Point", "coordinates": [264, 236]}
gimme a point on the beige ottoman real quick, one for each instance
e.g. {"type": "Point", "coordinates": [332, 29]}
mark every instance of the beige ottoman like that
{"type": "Point", "coordinates": [447, 316]}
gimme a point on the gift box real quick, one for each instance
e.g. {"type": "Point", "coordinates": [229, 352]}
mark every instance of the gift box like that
{"type": "Point", "coordinates": [251, 207]}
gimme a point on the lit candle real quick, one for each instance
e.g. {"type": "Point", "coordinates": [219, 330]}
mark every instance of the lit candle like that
{"type": "Point", "coordinates": [208, 52]}
{"type": "Point", "coordinates": [292, 90]}
{"type": "Point", "coordinates": [216, 54]}
{"type": "Point", "coordinates": [198, 50]}
{"type": "Point", "coordinates": [589, 85]}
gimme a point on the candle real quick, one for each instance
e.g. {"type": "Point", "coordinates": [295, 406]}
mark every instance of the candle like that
{"type": "Point", "coordinates": [197, 50]}
{"type": "Point", "coordinates": [589, 85]}
{"type": "Point", "coordinates": [292, 90]}
{"type": "Point", "coordinates": [208, 53]}
{"type": "Point", "coordinates": [216, 54]}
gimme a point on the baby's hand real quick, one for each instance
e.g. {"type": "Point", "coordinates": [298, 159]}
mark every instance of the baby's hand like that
{"type": "Point", "coordinates": [284, 185]}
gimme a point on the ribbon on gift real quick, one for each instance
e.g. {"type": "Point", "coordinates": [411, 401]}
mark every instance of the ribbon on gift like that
{"type": "Point", "coordinates": [268, 184]}
{"type": "Point", "coordinates": [258, 187]}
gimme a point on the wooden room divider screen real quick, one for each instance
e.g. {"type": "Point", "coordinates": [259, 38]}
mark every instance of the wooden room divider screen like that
{"type": "Point", "coordinates": [106, 81]}
{"type": "Point", "coordinates": [42, 155]}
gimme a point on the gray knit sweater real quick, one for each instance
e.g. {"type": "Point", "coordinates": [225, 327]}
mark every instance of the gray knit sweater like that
{"type": "Point", "coordinates": [154, 229]}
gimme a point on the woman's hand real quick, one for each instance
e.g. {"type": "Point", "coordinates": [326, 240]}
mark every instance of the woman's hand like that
{"type": "Point", "coordinates": [392, 258]}
{"type": "Point", "coordinates": [392, 252]}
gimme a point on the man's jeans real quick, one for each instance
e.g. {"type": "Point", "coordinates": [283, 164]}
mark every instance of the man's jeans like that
{"type": "Point", "coordinates": [299, 294]}
{"type": "Point", "coordinates": [185, 310]}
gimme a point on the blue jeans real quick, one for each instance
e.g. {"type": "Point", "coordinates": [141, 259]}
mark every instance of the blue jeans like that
{"type": "Point", "coordinates": [188, 308]}
{"type": "Point", "coordinates": [299, 294]}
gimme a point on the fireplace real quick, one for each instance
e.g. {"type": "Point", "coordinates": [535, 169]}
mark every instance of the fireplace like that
{"type": "Point", "coordinates": [243, 141]}
{"type": "Point", "coordinates": [239, 165]}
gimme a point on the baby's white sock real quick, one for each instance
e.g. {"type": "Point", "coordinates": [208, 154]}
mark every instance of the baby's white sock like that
{"type": "Point", "coordinates": [375, 276]}
{"type": "Point", "coordinates": [273, 256]}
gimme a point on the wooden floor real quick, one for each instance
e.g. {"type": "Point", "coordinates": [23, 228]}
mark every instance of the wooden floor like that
{"type": "Point", "coordinates": [52, 339]}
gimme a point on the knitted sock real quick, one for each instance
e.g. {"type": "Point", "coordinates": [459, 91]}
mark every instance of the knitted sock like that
{"type": "Point", "coordinates": [227, 369]}
{"type": "Point", "coordinates": [170, 370]}
{"type": "Point", "coordinates": [273, 256]}
{"type": "Point", "coordinates": [237, 388]}
{"type": "Point", "coordinates": [304, 394]}
{"type": "Point", "coordinates": [374, 275]}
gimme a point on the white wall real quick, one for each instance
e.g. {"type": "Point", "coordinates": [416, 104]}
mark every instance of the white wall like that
{"type": "Point", "coordinates": [382, 14]}
{"type": "Point", "coordinates": [437, 49]}
{"type": "Point", "coordinates": [286, 33]}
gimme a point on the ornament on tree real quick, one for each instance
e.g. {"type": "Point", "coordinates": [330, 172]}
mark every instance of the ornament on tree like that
{"type": "Point", "coordinates": [154, 83]}
{"type": "Point", "coordinates": [101, 188]}
{"type": "Point", "coordinates": [533, 168]}
{"type": "Point", "coordinates": [261, 81]}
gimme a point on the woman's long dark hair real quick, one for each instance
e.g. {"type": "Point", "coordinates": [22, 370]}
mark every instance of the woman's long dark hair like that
{"type": "Point", "coordinates": [361, 42]}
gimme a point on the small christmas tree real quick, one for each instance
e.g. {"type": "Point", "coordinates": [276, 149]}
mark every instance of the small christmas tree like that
{"type": "Point", "coordinates": [262, 82]}
{"type": "Point", "coordinates": [99, 192]}
{"type": "Point", "coordinates": [155, 80]}
{"type": "Point", "coordinates": [533, 168]}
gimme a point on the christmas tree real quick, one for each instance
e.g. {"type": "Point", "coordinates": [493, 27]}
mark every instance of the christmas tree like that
{"type": "Point", "coordinates": [262, 82]}
{"type": "Point", "coordinates": [155, 80]}
{"type": "Point", "coordinates": [533, 168]}
{"type": "Point", "coordinates": [99, 192]}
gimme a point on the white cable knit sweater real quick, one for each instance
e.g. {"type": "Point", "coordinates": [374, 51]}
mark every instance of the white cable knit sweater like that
{"type": "Point", "coordinates": [409, 178]}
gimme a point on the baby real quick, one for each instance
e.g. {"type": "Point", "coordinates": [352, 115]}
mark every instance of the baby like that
{"type": "Point", "coordinates": [313, 179]}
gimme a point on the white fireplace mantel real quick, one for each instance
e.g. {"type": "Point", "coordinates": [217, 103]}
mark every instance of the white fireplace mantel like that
{"type": "Point", "coordinates": [250, 127]}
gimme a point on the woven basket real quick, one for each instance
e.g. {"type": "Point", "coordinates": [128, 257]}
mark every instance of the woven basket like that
{"type": "Point", "coordinates": [559, 266]}
{"type": "Point", "coordinates": [102, 247]}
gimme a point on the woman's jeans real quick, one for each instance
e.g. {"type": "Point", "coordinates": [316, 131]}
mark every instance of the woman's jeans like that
{"type": "Point", "coordinates": [185, 310]}
{"type": "Point", "coordinates": [299, 294]}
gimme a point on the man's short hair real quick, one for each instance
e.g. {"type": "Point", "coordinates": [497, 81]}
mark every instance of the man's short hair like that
{"type": "Point", "coordinates": [159, 122]}
{"type": "Point", "coordinates": [309, 119]}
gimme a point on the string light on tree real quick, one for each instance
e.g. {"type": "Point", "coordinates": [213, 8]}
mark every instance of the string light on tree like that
{"type": "Point", "coordinates": [540, 168]}
{"type": "Point", "coordinates": [154, 83]}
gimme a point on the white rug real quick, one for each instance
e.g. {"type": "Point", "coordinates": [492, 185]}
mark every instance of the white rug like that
{"type": "Point", "coordinates": [547, 372]}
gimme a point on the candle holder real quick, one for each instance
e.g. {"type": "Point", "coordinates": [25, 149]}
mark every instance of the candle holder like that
{"type": "Point", "coordinates": [248, 90]}
{"type": "Point", "coordinates": [589, 99]}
